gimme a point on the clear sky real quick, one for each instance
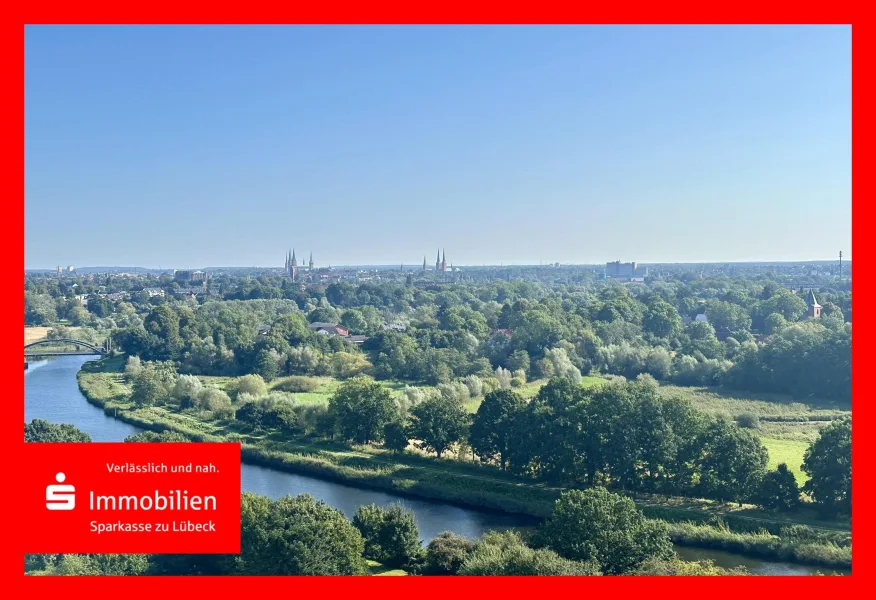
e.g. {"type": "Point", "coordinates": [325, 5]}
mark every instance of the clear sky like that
{"type": "Point", "coordinates": [209, 146]}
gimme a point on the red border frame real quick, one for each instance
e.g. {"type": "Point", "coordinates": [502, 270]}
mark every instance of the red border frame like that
{"type": "Point", "coordinates": [449, 12]}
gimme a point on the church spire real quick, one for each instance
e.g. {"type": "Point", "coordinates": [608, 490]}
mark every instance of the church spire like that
{"type": "Point", "coordinates": [310, 262]}
{"type": "Point", "coordinates": [424, 262]}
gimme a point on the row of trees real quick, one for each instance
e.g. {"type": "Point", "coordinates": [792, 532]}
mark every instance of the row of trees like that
{"type": "Point", "coordinates": [623, 435]}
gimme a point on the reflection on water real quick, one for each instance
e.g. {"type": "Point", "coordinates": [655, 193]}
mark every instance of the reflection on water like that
{"type": "Point", "coordinates": [51, 393]}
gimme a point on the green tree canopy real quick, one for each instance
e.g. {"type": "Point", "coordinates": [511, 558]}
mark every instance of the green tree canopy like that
{"type": "Point", "coordinates": [595, 525]}
{"type": "Point", "coordinates": [828, 462]}
{"type": "Point", "coordinates": [438, 422]}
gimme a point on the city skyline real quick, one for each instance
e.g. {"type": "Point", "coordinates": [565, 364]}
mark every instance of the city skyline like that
{"type": "Point", "coordinates": [505, 145]}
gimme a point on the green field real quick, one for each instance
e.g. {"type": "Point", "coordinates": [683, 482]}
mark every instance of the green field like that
{"type": "Point", "coordinates": [789, 452]}
{"type": "Point", "coordinates": [786, 426]}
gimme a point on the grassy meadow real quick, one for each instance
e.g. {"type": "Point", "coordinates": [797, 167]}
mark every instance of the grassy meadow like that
{"type": "Point", "coordinates": [785, 426]}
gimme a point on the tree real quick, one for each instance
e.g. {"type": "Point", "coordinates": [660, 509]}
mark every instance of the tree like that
{"type": "Point", "coordinates": [828, 462]}
{"type": "Point", "coordinates": [493, 427]}
{"type": "Point", "coordinates": [605, 528]}
{"type": "Point", "coordinates": [297, 535]}
{"type": "Point", "coordinates": [774, 323]}
{"type": "Point", "coordinates": [187, 389]}
{"type": "Point", "coordinates": [391, 535]}
{"type": "Point", "coordinates": [395, 436]}
{"type": "Point", "coordinates": [506, 554]}
{"type": "Point", "coordinates": [362, 409]}
{"type": "Point", "coordinates": [727, 315]}
{"type": "Point", "coordinates": [39, 430]}
{"type": "Point", "coordinates": [438, 423]}
{"type": "Point", "coordinates": [519, 359]}
{"type": "Point", "coordinates": [151, 386]}
{"type": "Point", "coordinates": [347, 364]}
{"type": "Point", "coordinates": [446, 553]}
{"type": "Point", "coordinates": [661, 319]}
{"type": "Point", "coordinates": [779, 490]}
{"type": "Point", "coordinates": [133, 367]}
{"type": "Point", "coordinates": [733, 463]}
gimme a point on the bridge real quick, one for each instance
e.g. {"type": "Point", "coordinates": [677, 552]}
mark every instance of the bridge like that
{"type": "Point", "coordinates": [55, 347]}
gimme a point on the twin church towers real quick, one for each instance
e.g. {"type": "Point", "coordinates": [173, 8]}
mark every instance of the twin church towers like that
{"type": "Point", "coordinates": [292, 265]}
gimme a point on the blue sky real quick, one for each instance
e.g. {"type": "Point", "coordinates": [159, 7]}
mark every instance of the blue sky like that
{"type": "Point", "coordinates": [223, 146]}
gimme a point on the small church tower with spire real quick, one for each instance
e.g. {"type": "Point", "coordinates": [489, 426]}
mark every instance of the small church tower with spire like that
{"type": "Point", "coordinates": [813, 308]}
{"type": "Point", "coordinates": [424, 263]}
{"type": "Point", "coordinates": [310, 263]}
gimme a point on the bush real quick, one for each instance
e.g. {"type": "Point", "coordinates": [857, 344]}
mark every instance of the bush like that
{"type": "Point", "coordinates": [391, 535]}
{"type": "Point", "coordinates": [186, 390]}
{"type": "Point", "coordinates": [475, 386]}
{"type": "Point", "coordinates": [152, 436]}
{"type": "Point", "coordinates": [214, 400]}
{"type": "Point", "coordinates": [133, 367]}
{"type": "Point", "coordinates": [506, 554]}
{"type": "Point", "coordinates": [296, 384]}
{"type": "Point", "coordinates": [446, 553]}
{"type": "Point", "coordinates": [251, 384]}
{"type": "Point", "coordinates": [748, 421]}
{"type": "Point", "coordinates": [517, 382]}
{"type": "Point", "coordinates": [676, 566]}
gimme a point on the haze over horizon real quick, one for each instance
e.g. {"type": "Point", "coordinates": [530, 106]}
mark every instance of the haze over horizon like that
{"type": "Point", "coordinates": [210, 146]}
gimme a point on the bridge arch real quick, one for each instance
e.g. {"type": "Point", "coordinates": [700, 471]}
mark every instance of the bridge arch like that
{"type": "Point", "coordinates": [51, 341]}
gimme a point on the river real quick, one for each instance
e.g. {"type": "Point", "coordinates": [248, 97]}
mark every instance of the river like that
{"type": "Point", "coordinates": [51, 393]}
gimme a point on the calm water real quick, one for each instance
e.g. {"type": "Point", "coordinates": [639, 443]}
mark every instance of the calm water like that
{"type": "Point", "coordinates": [51, 393]}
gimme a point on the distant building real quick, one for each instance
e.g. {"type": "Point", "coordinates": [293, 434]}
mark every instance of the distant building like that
{"type": "Point", "coordinates": [329, 329]}
{"type": "Point", "coordinates": [190, 276]}
{"type": "Point", "coordinates": [291, 266]}
{"type": "Point", "coordinates": [625, 271]}
{"type": "Point", "coordinates": [813, 308]}
{"type": "Point", "coordinates": [701, 318]}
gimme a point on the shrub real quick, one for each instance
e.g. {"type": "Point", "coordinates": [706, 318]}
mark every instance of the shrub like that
{"type": "Point", "coordinates": [748, 421]}
{"type": "Point", "coordinates": [391, 535]}
{"type": "Point", "coordinates": [506, 554]}
{"type": "Point", "coordinates": [296, 384]}
{"type": "Point", "coordinates": [517, 382]}
{"type": "Point", "coordinates": [475, 386]}
{"type": "Point", "coordinates": [186, 389]}
{"type": "Point", "coordinates": [446, 553]}
{"type": "Point", "coordinates": [251, 384]}
{"type": "Point", "coordinates": [133, 367]}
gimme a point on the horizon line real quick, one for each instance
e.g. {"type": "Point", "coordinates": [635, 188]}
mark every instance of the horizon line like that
{"type": "Point", "coordinates": [418, 265]}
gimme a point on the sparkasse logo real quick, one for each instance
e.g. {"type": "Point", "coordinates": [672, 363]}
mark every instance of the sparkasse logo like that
{"type": "Point", "coordinates": [60, 497]}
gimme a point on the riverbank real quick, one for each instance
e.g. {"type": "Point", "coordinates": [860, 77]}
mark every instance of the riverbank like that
{"type": "Point", "coordinates": [691, 523]}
